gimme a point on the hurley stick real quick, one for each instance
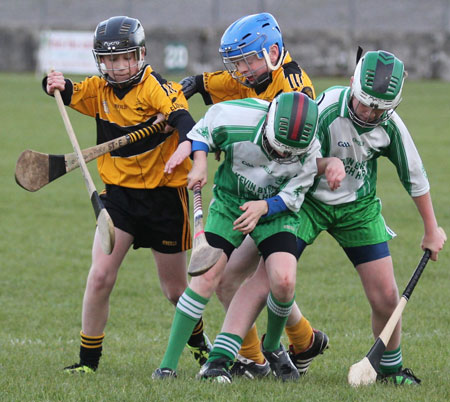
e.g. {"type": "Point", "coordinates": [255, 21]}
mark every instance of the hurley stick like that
{"type": "Point", "coordinates": [203, 256]}
{"type": "Point", "coordinates": [365, 371]}
{"type": "Point", "coordinates": [34, 169]}
{"type": "Point", "coordinates": [104, 222]}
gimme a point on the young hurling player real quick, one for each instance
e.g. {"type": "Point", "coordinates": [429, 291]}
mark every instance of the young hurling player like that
{"type": "Point", "coordinates": [363, 118]}
{"type": "Point", "coordinates": [270, 162]}
{"type": "Point", "coordinates": [148, 206]}
{"type": "Point", "coordinates": [257, 66]}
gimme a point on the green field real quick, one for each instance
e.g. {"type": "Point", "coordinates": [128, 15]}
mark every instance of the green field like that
{"type": "Point", "coordinates": [45, 256]}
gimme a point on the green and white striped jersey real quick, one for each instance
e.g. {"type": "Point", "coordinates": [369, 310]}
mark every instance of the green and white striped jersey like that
{"type": "Point", "coordinates": [246, 172]}
{"type": "Point", "coordinates": [359, 148]}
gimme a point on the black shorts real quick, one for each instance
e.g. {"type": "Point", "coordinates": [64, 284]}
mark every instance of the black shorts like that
{"type": "Point", "coordinates": [156, 218]}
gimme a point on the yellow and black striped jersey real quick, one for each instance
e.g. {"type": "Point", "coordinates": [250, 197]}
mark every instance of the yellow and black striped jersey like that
{"type": "Point", "coordinates": [120, 111]}
{"type": "Point", "coordinates": [221, 86]}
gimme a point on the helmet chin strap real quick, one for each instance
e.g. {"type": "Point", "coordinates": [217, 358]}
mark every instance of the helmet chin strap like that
{"type": "Point", "coordinates": [271, 66]}
{"type": "Point", "coordinates": [359, 54]}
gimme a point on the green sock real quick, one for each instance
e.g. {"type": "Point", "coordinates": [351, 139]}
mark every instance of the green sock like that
{"type": "Point", "coordinates": [391, 361]}
{"type": "Point", "coordinates": [277, 316]}
{"type": "Point", "coordinates": [189, 309]}
{"type": "Point", "coordinates": [225, 345]}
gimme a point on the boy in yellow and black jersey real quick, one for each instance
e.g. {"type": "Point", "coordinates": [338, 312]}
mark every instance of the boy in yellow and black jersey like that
{"type": "Point", "coordinates": [257, 66]}
{"type": "Point", "coordinates": [122, 110]}
{"type": "Point", "coordinates": [220, 86]}
{"type": "Point", "coordinates": [148, 206]}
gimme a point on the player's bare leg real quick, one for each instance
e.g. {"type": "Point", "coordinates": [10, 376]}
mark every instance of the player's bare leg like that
{"type": "Point", "coordinates": [379, 284]}
{"type": "Point", "coordinates": [172, 270]}
{"type": "Point", "coordinates": [258, 287]}
{"type": "Point", "coordinates": [172, 275]}
{"type": "Point", "coordinates": [305, 343]}
{"type": "Point", "coordinates": [206, 284]}
{"type": "Point", "coordinates": [281, 268]}
{"type": "Point", "coordinates": [101, 279]}
{"type": "Point", "coordinates": [100, 282]}
{"type": "Point", "coordinates": [189, 310]}
{"type": "Point", "coordinates": [250, 362]}
{"type": "Point", "coordinates": [242, 263]}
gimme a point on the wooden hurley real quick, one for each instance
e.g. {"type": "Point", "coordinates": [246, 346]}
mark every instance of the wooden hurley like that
{"type": "Point", "coordinates": [104, 222]}
{"type": "Point", "coordinates": [365, 371]}
{"type": "Point", "coordinates": [203, 256]}
{"type": "Point", "coordinates": [34, 169]}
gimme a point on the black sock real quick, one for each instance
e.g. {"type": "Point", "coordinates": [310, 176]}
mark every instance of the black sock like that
{"type": "Point", "coordinates": [197, 334]}
{"type": "Point", "coordinates": [91, 350]}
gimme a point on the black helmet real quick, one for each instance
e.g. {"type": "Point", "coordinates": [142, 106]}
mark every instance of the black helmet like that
{"type": "Point", "coordinates": [119, 35]}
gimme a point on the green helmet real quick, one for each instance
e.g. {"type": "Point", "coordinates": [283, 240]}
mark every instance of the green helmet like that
{"type": "Point", "coordinates": [378, 83]}
{"type": "Point", "coordinates": [290, 126]}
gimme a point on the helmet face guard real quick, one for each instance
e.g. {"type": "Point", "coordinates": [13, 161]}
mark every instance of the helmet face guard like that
{"type": "Point", "coordinates": [105, 59]}
{"type": "Point", "coordinates": [249, 37]}
{"type": "Point", "coordinates": [377, 84]}
{"type": "Point", "coordinates": [280, 156]}
{"type": "Point", "coordinates": [257, 76]}
{"type": "Point", "coordinates": [290, 127]}
{"type": "Point", "coordinates": [368, 122]}
{"type": "Point", "coordinates": [119, 38]}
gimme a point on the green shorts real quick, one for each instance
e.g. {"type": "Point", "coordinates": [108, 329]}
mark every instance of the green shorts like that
{"type": "Point", "coordinates": [352, 224]}
{"type": "Point", "coordinates": [224, 210]}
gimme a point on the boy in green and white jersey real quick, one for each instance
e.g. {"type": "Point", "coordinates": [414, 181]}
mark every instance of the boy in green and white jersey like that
{"type": "Point", "coordinates": [270, 162]}
{"type": "Point", "coordinates": [257, 66]}
{"type": "Point", "coordinates": [358, 124]}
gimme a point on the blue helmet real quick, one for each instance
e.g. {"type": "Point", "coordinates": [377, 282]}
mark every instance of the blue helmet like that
{"type": "Point", "coordinates": [251, 35]}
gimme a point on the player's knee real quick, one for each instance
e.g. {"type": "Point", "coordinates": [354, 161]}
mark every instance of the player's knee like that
{"type": "Point", "coordinates": [386, 301]}
{"type": "Point", "coordinates": [206, 284]}
{"type": "Point", "coordinates": [284, 288]}
{"type": "Point", "coordinates": [224, 295]}
{"type": "Point", "coordinates": [173, 293]}
{"type": "Point", "coordinates": [391, 299]}
{"type": "Point", "coordinates": [172, 297]}
{"type": "Point", "coordinates": [101, 280]}
{"type": "Point", "coordinates": [225, 291]}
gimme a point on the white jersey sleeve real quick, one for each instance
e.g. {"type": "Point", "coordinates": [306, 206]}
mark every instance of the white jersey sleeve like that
{"type": "Point", "coordinates": [403, 153]}
{"type": "Point", "coordinates": [222, 119]}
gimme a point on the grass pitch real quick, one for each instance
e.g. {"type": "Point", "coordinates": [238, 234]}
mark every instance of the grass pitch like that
{"type": "Point", "coordinates": [45, 257]}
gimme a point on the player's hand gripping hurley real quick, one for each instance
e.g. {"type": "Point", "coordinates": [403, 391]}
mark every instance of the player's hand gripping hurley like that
{"type": "Point", "coordinates": [104, 222]}
{"type": "Point", "coordinates": [34, 169]}
{"type": "Point", "coordinates": [203, 256]}
{"type": "Point", "coordinates": [365, 371]}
